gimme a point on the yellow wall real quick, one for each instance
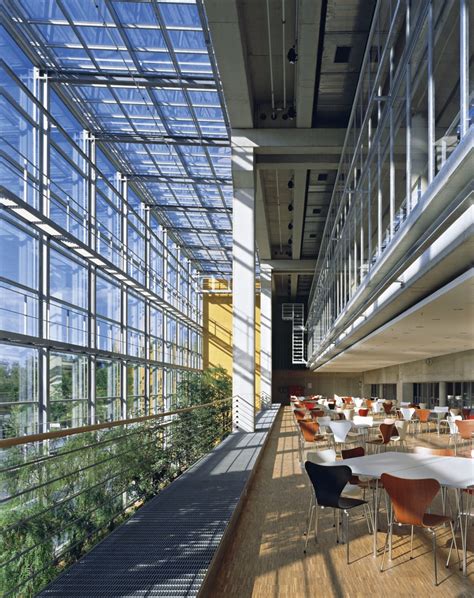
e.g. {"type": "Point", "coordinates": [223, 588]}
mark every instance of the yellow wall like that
{"type": "Point", "coordinates": [217, 335]}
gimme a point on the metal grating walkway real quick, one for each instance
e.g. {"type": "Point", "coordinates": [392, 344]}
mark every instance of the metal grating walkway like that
{"type": "Point", "coordinates": [166, 548]}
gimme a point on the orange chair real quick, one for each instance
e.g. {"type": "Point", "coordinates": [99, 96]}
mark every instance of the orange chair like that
{"type": "Point", "coordinates": [466, 431]}
{"type": "Point", "coordinates": [384, 438]}
{"type": "Point", "coordinates": [387, 407]}
{"type": "Point", "coordinates": [410, 502]}
{"type": "Point", "coordinates": [423, 416]}
{"type": "Point", "coordinates": [315, 413]}
{"type": "Point", "coordinates": [309, 435]}
{"type": "Point", "coordinates": [363, 412]}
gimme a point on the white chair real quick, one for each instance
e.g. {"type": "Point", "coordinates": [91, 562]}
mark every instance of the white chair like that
{"type": "Point", "coordinates": [453, 429]}
{"type": "Point", "coordinates": [363, 424]}
{"type": "Point", "coordinates": [407, 413]}
{"type": "Point", "coordinates": [341, 432]}
{"type": "Point", "coordinates": [404, 403]}
{"type": "Point", "coordinates": [348, 414]}
{"type": "Point", "coordinates": [440, 413]}
{"type": "Point", "coordinates": [358, 402]}
{"type": "Point", "coordinates": [400, 440]}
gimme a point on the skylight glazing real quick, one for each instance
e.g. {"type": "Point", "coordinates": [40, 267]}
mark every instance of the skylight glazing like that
{"type": "Point", "coordinates": [140, 77]}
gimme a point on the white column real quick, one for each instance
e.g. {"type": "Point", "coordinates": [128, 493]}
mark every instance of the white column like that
{"type": "Point", "coordinates": [443, 399]}
{"type": "Point", "coordinates": [266, 336]}
{"type": "Point", "coordinates": [243, 290]}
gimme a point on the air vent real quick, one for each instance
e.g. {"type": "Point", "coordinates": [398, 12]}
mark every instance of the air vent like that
{"type": "Point", "coordinates": [312, 236]}
{"type": "Point", "coordinates": [316, 210]}
{"type": "Point", "coordinates": [323, 176]}
{"type": "Point", "coordinates": [342, 54]}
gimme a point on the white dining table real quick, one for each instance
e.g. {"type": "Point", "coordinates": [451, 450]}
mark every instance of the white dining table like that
{"type": "Point", "coordinates": [450, 472]}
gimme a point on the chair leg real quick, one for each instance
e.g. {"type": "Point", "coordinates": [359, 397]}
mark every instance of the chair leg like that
{"type": "Point", "coordinates": [347, 536]}
{"type": "Point", "coordinates": [411, 542]}
{"type": "Point", "coordinates": [453, 542]}
{"type": "Point", "coordinates": [434, 557]}
{"type": "Point", "coordinates": [385, 546]}
{"type": "Point", "coordinates": [313, 507]}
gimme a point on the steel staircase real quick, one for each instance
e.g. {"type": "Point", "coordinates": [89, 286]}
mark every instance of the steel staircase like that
{"type": "Point", "coordinates": [295, 313]}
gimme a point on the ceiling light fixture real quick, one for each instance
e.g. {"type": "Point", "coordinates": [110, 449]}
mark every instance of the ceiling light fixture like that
{"type": "Point", "coordinates": [291, 183]}
{"type": "Point", "coordinates": [291, 113]}
{"type": "Point", "coordinates": [290, 226]}
{"type": "Point", "coordinates": [290, 207]}
{"type": "Point", "coordinates": [292, 55]}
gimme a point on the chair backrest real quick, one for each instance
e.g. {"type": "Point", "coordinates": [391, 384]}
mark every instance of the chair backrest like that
{"type": "Point", "coordinates": [387, 406]}
{"type": "Point", "coordinates": [299, 413]}
{"type": "Point", "coordinates": [410, 498]}
{"type": "Point", "coordinates": [439, 409]}
{"type": "Point", "coordinates": [324, 421]}
{"type": "Point", "coordinates": [426, 450]}
{"type": "Point", "coordinates": [366, 420]}
{"type": "Point", "coordinates": [348, 414]}
{"type": "Point", "coordinates": [308, 430]}
{"type": "Point", "coordinates": [358, 451]}
{"type": "Point", "coordinates": [328, 482]}
{"type": "Point", "coordinates": [455, 412]}
{"type": "Point", "coordinates": [358, 402]}
{"type": "Point", "coordinates": [340, 429]}
{"type": "Point", "coordinates": [386, 432]}
{"type": "Point", "coordinates": [423, 414]}
{"type": "Point", "coordinates": [310, 404]}
{"type": "Point", "coordinates": [452, 419]}
{"type": "Point", "coordinates": [407, 412]}
{"type": "Point", "coordinates": [401, 427]}
{"type": "Point", "coordinates": [466, 428]}
{"type": "Point", "coordinates": [326, 456]}
{"type": "Point", "coordinates": [315, 413]}
{"type": "Point", "coordinates": [364, 411]}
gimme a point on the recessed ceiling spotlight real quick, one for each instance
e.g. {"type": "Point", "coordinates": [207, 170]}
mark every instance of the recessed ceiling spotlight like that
{"type": "Point", "coordinates": [290, 241]}
{"type": "Point", "coordinates": [291, 113]}
{"type": "Point", "coordinates": [274, 115]}
{"type": "Point", "coordinates": [291, 184]}
{"type": "Point", "coordinates": [290, 225]}
{"type": "Point", "coordinates": [290, 207]}
{"type": "Point", "coordinates": [263, 116]}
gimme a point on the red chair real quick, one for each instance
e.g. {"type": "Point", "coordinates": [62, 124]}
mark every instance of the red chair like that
{"type": "Point", "coordinates": [411, 500]}
{"type": "Point", "coordinates": [363, 412]}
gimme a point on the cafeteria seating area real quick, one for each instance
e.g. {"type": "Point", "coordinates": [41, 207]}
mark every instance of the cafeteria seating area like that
{"type": "Point", "coordinates": [268, 555]}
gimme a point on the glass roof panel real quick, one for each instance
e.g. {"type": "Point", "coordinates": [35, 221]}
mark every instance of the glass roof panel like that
{"type": "Point", "coordinates": [155, 111]}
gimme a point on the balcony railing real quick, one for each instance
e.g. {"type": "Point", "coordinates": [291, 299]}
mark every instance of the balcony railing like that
{"type": "Point", "coordinates": [62, 491]}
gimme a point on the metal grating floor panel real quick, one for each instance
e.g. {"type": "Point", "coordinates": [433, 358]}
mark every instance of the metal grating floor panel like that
{"type": "Point", "coordinates": [166, 548]}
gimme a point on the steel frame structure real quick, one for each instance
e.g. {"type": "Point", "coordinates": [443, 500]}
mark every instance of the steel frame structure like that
{"type": "Point", "coordinates": [382, 173]}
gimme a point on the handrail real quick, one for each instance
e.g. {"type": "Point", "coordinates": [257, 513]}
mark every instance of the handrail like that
{"type": "Point", "coordinates": [20, 440]}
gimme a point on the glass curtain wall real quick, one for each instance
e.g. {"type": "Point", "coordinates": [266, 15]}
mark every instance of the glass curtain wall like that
{"type": "Point", "coordinates": [100, 315]}
{"type": "Point", "coordinates": [410, 112]}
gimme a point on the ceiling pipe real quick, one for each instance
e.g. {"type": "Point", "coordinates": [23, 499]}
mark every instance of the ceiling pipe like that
{"type": "Point", "coordinates": [272, 88]}
{"type": "Point", "coordinates": [283, 50]}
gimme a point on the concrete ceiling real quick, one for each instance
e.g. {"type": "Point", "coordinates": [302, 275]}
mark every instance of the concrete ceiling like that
{"type": "Point", "coordinates": [251, 46]}
{"type": "Point", "coordinates": [436, 326]}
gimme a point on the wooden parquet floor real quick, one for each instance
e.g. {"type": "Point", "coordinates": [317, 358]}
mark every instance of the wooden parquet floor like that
{"type": "Point", "coordinates": [265, 557]}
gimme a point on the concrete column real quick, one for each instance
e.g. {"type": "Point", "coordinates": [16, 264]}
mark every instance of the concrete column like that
{"type": "Point", "coordinates": [407, 394]}
{"type": "Point", "coordinates": [380, 391]}
{"type": "Point", "coordinates": [443, 399]}
{"type": "Point", "coordinates": [266, 336]}
{"type": "Point", "coordinates": [243, 290]}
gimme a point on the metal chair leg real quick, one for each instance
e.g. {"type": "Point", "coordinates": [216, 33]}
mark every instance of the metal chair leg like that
{"type": "Point", "coordinates": [309, 527]}
{"type": "Point", "coordinates": [347, 536]}
{"type": "Point", "coordinates": [434, 557]}
{"type": "Point", "coordinates": [411, 542]}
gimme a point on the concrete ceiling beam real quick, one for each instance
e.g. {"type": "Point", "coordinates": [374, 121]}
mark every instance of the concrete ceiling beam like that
{"type": "Point", "coordinates": [291, 266]}
{"type": "Point", "coordinates": [309, 16]}
{"type": "Point", "coordinates": [230, 50]}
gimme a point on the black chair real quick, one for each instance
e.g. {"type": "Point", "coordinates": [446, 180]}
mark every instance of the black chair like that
{"type": "Point", "coordinates": [329, 483]}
